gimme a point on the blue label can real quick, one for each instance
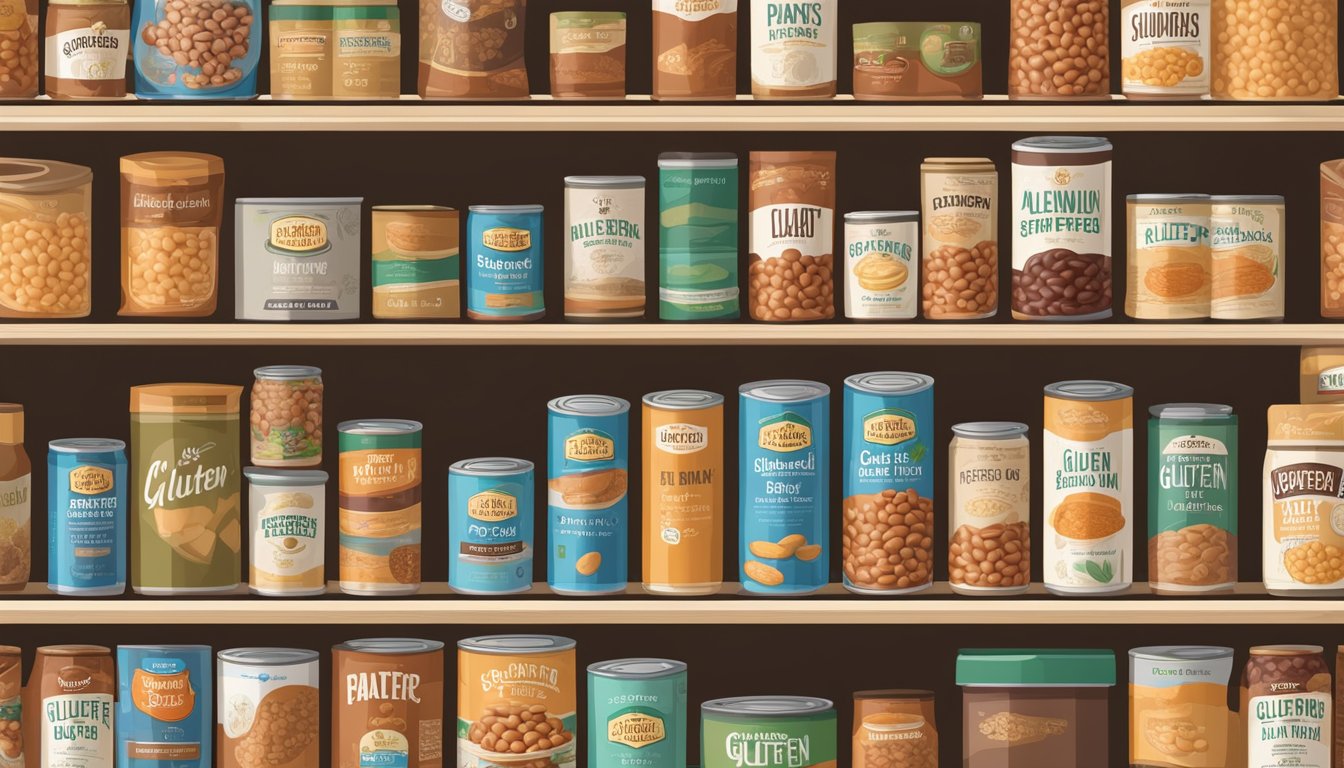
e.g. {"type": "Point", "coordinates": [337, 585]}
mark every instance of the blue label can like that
{"type": "Point", "coordinates": [587, 485]}
{"type": "Point", "coordinates": [490, 508]}
{"type": "Point", "coordinates": [164, 706]}
{"type": "Point", "coordinates": [887, 538]}
{"type": "Point", "coordinates": [505, 275]}
{"type": "Point", "coordinates": [637, 713]}
{"type": "Point", "coordinates": [784, 486]}
{"type": "Point", "coordinates": [87, 516]}
{"type": "Point", "coordinates": [226, 35]}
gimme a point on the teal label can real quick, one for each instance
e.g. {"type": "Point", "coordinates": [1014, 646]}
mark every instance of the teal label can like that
{"type": "Point", "coordinates": [637, 713]}
{"type": "Point", "coordinates": [697, 236]}
{"type": "Point", "coordinates": [1192, 498]}
{"type": "Point", "coordinates": [587, 492]}
{"type": "Point", "coordinates": [505, 276]}
{"type": "Point", "coordinates": [87, 516]}
{"type": "Point", "coordinates": [768, 732]}
{"type": "Point", "coordinates": [490, 509]}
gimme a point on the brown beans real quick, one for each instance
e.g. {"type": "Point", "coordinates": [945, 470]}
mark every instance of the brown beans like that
{"type": "Point", "coordinates": [18, 58]}
{"type": "Point", "coordinates": [1332, 269]}
{"type": "Point", "coordinates": [286, 420]}
{"type": "Point", "coordinates": [11, 739]}
{"type": "Point", "coordinates": [207, 35]}
{"type": "Point", "coordinates": [1275, 49]}
{"type": "Point", "coordinates": [1059, 282]}
{"type": "Point", "coordinates": [1059, 48]}
{"type": "Point", "coordinates": [286, 723]}
{"type": "Point", "coordinates": [519, 729]}
{"type": "Point", "coordinates": [888, 540]}
{"type": "Point", "coordinates": [996, 555]}
{"type": "Point", "coordinates": [959, 282]}
{"type": "Point", "coordinates": [44, 265]}
{"type": "Point", "coordinates": [1196, 555]}
{"type": "Point", "coordinates": [793, 287]}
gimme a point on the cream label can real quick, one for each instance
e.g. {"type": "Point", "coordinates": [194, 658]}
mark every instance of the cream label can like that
{"type": "Point", "coordinates": [637, 713]}
{"type": "Point", "coordinates": [604, 247]}
{"type": "Point", "coordinates": [880, 267]}
{"type": "Point", "coordinates": [505, 272]}
{"type": "Point", "coordinates": [1303, 501]}
{"type": "Point", "coordinates": [287, 510]}
{"type": "Point", "coordinates": [490, 540]}
{"type": "Point", "coordinates": [297, 258]}
{"type": "Point", "coordinates": [1165, 48]}
{"type": "Point", "coordinates": [86, 496]}
{"type": "Point", "coordinates": [960, 199]}
{"type": "Point", "coordinates": [794, 49]}
{"type": "Point", "coordinates": [587, 494]}
{"type": "Point", "coordinates": [1169, 269]}
{"type": "Point", "coordinates": [989, 504]}
{"type": "Point", "coordinates": [268, 709]}
{"type": "Point", "coordinates": [1248, 250]}
{"type": "Point", "coordinates": [380, 477]}
{"type": "Point", "coordinates": [1088, 455]}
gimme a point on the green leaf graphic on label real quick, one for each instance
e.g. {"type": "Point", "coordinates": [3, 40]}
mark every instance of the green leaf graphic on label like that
{"type": "Point", "coordinates": [917, 451]}
{"type": "Point", "coordinates": [1101, 573]}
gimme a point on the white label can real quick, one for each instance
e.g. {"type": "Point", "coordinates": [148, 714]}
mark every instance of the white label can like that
{"type": "Point", "coordinates": [880, 266]}
{"type": "Point", "coordinates": [287, 508]}
{"type": "Point", "coordinates": [604, 247]}
{"type": "Point", "coordinates": [1248, 257]}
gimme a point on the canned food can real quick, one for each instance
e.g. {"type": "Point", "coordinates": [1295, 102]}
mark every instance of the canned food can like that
{"type": "Point", "coordinates": [297, 258]}
{"type": "Point", "coordinates": [380, 479]}
{"type": "Point", "coordinates": [268, 712]}
{"type": "Point", "coordinates": [880, 268]}
{"type": "Point", "coordinates": [78, 684]}
{"type": "Point", "coordinates": [505, 274]}
{"type": "Point", "coordinates": [1287, 700]}
{"type": "Point", "coordinates": [530, 677]}
{"type": "Point", "coordinates": [417, 268]}
{"type": "Point", "coordinates": [637, 713]}
{"type": "Point", "coordinates": [86, 498]}
{"type": "Point", "coordinates": [1332, 239]}
{"type": "Point", "coordinates": [888, 479]}
{"type": "Point", "coordinates": [11, 709]}
{"type": "Point", "coordinates": [587, 494]}
{"type": "Point", "coordinates": [1169, 261]}
{"type": "Point", "coordinates": [895, 728]}
{"type": "Point", "coordinates": [1192, 498]}
{"type": "Point", "coordinates": [768, 731]}
{"type": "Point", "coordinates": [697, 235]}
{"type": "Point", "coordinates": [1303, 501]}
{"type": "Point", "coordinates": [490, 514]}
{"type": "Point", "coordinates": [1062, 228]}
{"type": "Point", "coordinates": [1088, 450]}
{"type": "Point", "coordinates": [683, 492]}
{"type": "Point", "coordinates": [387, 703]}
{"type": "Point", "coordinates": [286, 420]}
{"type": "Point", "coordinates": [1178, 710]}
{"type": "Point", "coordinates": [1248, 257]}
{"type": "Point", "coordinates": [960, 199]}
{"type": "Point", "coordinates": [164, 700]}
{"type": "Point", "coordinates": [784, 486]}
{"type": "Point", "coordinates": [1166, 48]}
{"type": "Point", "coordinates": [288, 512]}
{"type": "Point", "coordinates": [989, 507]}
{"type": "Point", "coordinates": [604, 247]}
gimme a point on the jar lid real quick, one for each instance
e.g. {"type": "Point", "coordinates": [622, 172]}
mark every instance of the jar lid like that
{"type": "Point", "coordinates": [74, 650]}
{"type": "Point", "coordinates": [185, 398]}
{"type": "Point", "coordinates": [767, 706]}
{"type": "Point", "coordinates": [889, 382]}
{"type": "Point", "coordinates": [588, 405]}
{"type": "Point", "coordinates": [287, 372]}
{"type": "Point", "coordinates": [683, 399]}
{"type": "Point", "coordinates": [784, 390]}
{"type": "Point", "coordinates": [161, 167]}
{"type": "Point", "coordinates": [989, 430]}
{"type": "Point", "coordinates": [1035, 667]}
{"type": "Point", "coordinates": [86, 2]}
{"type": "Point", "coordinates": [1089, 390]}
{"type": "Point", "coordinates": [494, 466]}
{"type": "Point", "coordinates": [899, 694]}
{"type": "Point", "coordinates": [511, 644]}
{"type": "Point", "coordinates": [86, 445]}
{"type": "Point", "coordinates": [1286, 650]}
{"type": "Point", "coordinates": [637, 669]}
{"type": "Point", "coordinates": [1190, 411]}
{"type": "Point", "coordinates": [27, 177]}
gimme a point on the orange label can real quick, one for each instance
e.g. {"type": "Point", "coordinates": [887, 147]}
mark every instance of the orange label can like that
{"type": "Point", "coordinates": [528, 684]}
{"type": "Point", "coordinates": [380, 478]}
{"type": "Point", "coordinates": [683, 492]}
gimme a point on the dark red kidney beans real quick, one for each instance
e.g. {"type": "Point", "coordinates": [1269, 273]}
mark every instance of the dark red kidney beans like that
{"type": "Point", "coordinates": [1061, 283]}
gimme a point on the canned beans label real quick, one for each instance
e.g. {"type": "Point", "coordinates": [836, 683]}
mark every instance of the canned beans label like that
{"type": "Point", "coordinates": [990, 508]}
{"type": "Point", "coordinates": [268, 715]}
{"type": "Point", "coordinates": [1089, 494]}
{"type": "Point", "coordinates": [1192, 504]}
{"type": "Point", "coordinates": [490, 531]}
{"type": "Point", "coordinates": [1165, 47]}
{"type": "Point", "coordinates": [287, 538]}
{"type": "Point", "coordinates": [1169, 264]}
{"type": "Point", "coordinates": [961, 248]}
{"type": "Point", "coordinates": [1178, 712]}
{"type": "Point", "coordinates": [163, 706]}
{"type": "Point", "coordinates": [604, 258]}
{"type": "Point", "coordinates": [1287, 703]}
{"type": "Point", "coordinates": [880, 269]}
{"type": "Point", "coordinates": [1304, 520]}
{"type": "Point", "coordinates": [1248, 266]}
{"type": "Point", "coordinates": [792, 235]}
{"type": "Point", "coordinates": [387, 709]}
{"type": "Point", "coordinates": [499, 693]}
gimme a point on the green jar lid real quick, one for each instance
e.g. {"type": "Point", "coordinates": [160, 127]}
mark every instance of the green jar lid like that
{"type": "Point", "coordinates": [1035, 667]}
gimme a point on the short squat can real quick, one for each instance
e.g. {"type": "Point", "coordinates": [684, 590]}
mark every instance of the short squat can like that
{"type": "Point", "coordinates": [490, 508]}
{"type": "Point", "coordinates": [504, 270]}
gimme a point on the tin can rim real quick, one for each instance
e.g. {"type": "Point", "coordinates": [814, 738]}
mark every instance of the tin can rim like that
{"type": "Point", "coordinates": [889, 382]}
{"type": "Point", "coordinates": [287, 372]}
{"type": "Point", "coordinates": [281, 476]}
{"type": "Point", "coordinates": [637, 668]}
{"type": "Point", "coordinates": [515, 644]}
{"type": "Point", "coordinates": [390, 645]}
{"type": "Point", "coordinates": [1181, 652]}
{"type": "Point", "coordinates": [784, 390]}
{"type": "Point", "coordinates": [264, 656]}
{"type": "Point", "coordinates": [1190, 411]}
{"type": "Point", "coordinates": [86, 444]}
{"type": "Point", "coordinates": [881, 217]}
{"type": "Point", "coordinates": [1062, 144]}
{"type": "Point", "coordinates": [990, 430]}
{"type": "Point", "coordinates": [1174, 197]}
{"type": "Point", "coordinates": [531, 208]}
{"type": "Point", "coordinates": [606, 182]}
{"type": "Point", "coordinates": [768, 706]}
{"type": "Point", "coordinates": [683, 399]}
{"type": "Point", "coordinates": [1261, 199]}
{"type": "Point", "coordinates": [491, 466]}
{"type": "Point", "coordinates": [1094, 390]}
{"type": "Point", "coordinates": [299, 201]}
{"type": "Point", "coordinates": [691, 160]}
{"type": "Point", "coordinates": [380, 427]}
{"type": "Point", "coordinates": [589, 405]}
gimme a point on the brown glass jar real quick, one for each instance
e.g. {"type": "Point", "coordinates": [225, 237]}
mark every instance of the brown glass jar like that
{"type": "Point", "coordinates": [87, 46]}
{"type": "Point", "coordinates": [895, 728]}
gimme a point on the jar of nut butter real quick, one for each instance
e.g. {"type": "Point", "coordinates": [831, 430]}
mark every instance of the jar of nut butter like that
{"type": "Point", "coordinates": [87, 44]}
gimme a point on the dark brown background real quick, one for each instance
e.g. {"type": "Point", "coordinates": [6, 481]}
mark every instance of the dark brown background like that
{"type": "Point", "coordinates": [478, 401]}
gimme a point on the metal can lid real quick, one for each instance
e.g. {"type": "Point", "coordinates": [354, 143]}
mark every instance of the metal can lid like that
{"type": "Point", "coordinates": [767, 706]}
{"type": "Point", "coordinates": [511, 644]}
{"type": "Point", "coordinates": [1190, 411]}
{"type": "Point", "coordinates": [1253, 199]}
{"type": "Point", "coordinates": [881, 217]}
{"type": "Point", "coordinates": [1089, 389]}
{"type": "Point", "coordinates": [277, 476]}
{"type": "Point", "coordinates": [683, 399]}
{"type": "Point", "coordinates": [86, 445]}
{"type": "Point", "coordinates": [989, 430]}
{"type": "Point", "coordinates": [1180, 652]}
{"type": "Point", "coordinates": [1062, 144]}
{"type": "Point", "coordinates": [1286, 650]}
{"type": "Point", "coordinates": [589, 405]}
{"type": "Point", "coordinates": [491, 466]}
{"type": "Point", "coordinates": [889, 382]}
{"type": "Point", "coordinates": [1180, 197]}
{"type": "Point", "coordinates": [680, 160]}
{"type": "Point", "coordinates": [506, 208]}
{"type": "Point", "coordinates": [390, 645]}
{"type": "Point", "coordinates": [282, 657]}
{"type": "Point", "coordinates": [379, 426]}
{"type": "Point", "coordinates": [784, 390]}
{"type": "Point", "coordinates": [415, 208]}
{"type": "Point", "coordinates": [974, 164]}
{"type": "Point", "coordinates": [637, 669]}
{"type": "Point", "coordinates": [605, 182]}
{"type": "Point", "coordinates": [288, 201]}
{"type": "Point", "coordinates": [287, 372]}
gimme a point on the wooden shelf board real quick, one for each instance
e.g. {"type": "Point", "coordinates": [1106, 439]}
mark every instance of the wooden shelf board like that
{"type": "Point", "coordinates": [624, 334]}
{"type": "Point", "coordinates": [437, 605]}
{"type": "Point", "coordinates": [638, 113]}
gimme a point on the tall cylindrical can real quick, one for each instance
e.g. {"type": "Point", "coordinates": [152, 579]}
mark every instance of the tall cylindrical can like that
{"type": "Point", "coordinates": [287, 514]}
{"type": "Point", "coordinates": [587, 494]}
{"type": "Point", "coordinates": [1249, 251]}
{"type": "Point", "coordinates": [1192, 498]}
{"type": "Point", "coordinates": [517, 679]}
{"type": "Point", "coordinates": [1287, 704]}
{"type": "Point", "coordinates": [165, 698]}
{"type": "Point", "coordinates": [1062, 228]}
{"type": "Point", "coordinates": [380, 477]}
{"type": "Point", "coordinates": [604, 247]}
{"type": "Point", "coordinates": [683, 492]}
{"type": "Point", "coordinates": [490, 522]}
{"type": "Point", "coordinates": [1088, 450]}
{"type": "Point", "coordinates": [784, 486]}
{"type": "Point", "coordinates": [881, 271]}
{"type": "Point", "coordinates": [888, 480]}
{"type": "Point", "coordinates": [697, 236]}
{"type": "Point", "coordinates": [637, 713]}
{"type": "Point", "coordinates": [268, 711]}
{"type": "Point", "coordinates": [505, 269]}
{"type": "Point", "coordinates": [387, 703]}
{"type": "Point", "coordinates": [1168, 272]}
{"type": "Point", "coordinates": [78, 683]}
{"type": "Point", "coordinates": [989, 508]}
{"type": "Point", "coordinates": [960, 199]}
{"type": "Point", "coordinates": [1178, 714]}
{"type": "Point", "coordinates": [86, 521]}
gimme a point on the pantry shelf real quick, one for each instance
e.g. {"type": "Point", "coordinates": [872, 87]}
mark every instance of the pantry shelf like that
{"type": "Point", "coordinates": [437, 605]}
{"type": "Point", "coordinates": [682, 334]}
{"type": "Point", "coordinates": [638, 113]}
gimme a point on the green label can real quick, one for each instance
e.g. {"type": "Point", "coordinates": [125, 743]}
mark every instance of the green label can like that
{"type": "Point", "coordinates": [637, 713]}
{"type": "Point", "coordinates": [697, 236]}
{"type": "Point", "coordinates": [768, 732]}
{"type": "Point", "coordinates": [1192, 498]}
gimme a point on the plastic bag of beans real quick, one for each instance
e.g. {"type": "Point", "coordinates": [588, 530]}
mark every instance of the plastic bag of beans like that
{"type": "Point", "coordinates": [472, 49]}
{"type": "Point", "coordinates": [171, 203]}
